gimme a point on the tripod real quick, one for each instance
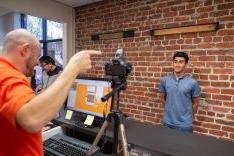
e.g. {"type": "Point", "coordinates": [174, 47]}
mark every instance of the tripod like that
{"type": "Point", "coordinates": [117, 117]}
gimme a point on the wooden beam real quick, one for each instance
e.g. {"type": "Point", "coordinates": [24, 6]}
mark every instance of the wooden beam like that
{"type": "Point", "coordinates": [186, 29]}
{"type": "Point", "coordinates": [113, 35]}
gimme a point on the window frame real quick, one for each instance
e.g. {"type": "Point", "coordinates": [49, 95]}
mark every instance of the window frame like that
{"type": "Point", "coordinates": [44, 41]}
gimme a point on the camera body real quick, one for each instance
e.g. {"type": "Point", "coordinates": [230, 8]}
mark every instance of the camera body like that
{"type": "Point", "coordinates": [118, 66]}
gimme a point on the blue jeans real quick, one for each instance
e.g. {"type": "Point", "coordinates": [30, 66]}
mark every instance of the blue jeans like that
{"type": "Point", "coordinates": [182, 129]}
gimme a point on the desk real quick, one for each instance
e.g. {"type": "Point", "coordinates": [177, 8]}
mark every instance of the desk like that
{"type": "Point", "coordinates": [158, 139]}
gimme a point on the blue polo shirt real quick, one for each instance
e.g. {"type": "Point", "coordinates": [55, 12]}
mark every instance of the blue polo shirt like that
{"type": "Point", "coordinates": [179, 93]}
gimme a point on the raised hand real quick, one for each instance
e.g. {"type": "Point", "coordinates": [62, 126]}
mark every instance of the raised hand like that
{"type": "Point", "coordinates": [81, 62]}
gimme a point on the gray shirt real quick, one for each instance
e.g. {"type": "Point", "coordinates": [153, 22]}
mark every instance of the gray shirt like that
{"type": "Point", "coordinates": [49, 77]}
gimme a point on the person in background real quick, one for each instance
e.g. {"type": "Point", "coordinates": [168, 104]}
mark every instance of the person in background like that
{"type": "Point", "coordinates": [180, 95]}
{"type": "Point", "coordinates": [22, 113]}
{"type": "Point", "coordinates": [49, 74]}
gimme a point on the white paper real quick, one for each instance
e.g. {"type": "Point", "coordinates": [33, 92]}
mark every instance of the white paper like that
{"type": "Point", "coordinates": [89, 120]}
{"type": "Point", "coordinates": [68, 114]}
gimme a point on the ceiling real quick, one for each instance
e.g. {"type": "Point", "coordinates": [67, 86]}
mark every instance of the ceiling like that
{"type": "Point", "coordinates": [76, 3]}
{"type": "Point", "coordinates": [4, 11]}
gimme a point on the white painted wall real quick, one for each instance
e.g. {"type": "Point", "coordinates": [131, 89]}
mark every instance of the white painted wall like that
{"type": "Point", "coordinates": [8, 22]}
{"type": "Point", "coordinates": [51, 10]}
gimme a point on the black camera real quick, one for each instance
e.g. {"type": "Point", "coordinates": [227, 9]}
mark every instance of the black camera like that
{"type": "Point", "coordinates": [118, 66]}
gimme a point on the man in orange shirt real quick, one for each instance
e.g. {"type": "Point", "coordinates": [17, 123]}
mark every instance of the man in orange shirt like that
{"type": "Point", "coordinates": [22, 114]}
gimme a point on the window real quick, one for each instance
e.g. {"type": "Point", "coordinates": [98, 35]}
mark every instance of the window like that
{"type": "Point", "coordinates": [49, 33]}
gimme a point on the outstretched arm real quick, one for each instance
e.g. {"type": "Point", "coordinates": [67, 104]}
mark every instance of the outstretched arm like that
{"type": "Point", "coordinates": [42, 108]}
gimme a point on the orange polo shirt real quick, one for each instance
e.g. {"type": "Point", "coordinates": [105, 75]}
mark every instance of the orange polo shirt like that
{"type": "Point", "coordinates": [15, 91]}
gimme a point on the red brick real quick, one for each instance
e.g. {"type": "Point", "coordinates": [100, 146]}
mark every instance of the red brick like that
{"type": "Point", "coordinates": [209, 113]}
{"type": "Point", "coordinates": [211, 126]}
{"type": "Point", "coordinates": [143, 108]}
{"type": "Point", "coordinates": [230, 25]}
{"type": "Point", "coordinates": [230, 117]}
{"type": "Point", "coordinates": [140, 68]}
{"type": "Point", "coordinates": [222, 71]}
{"type": "Point", "coordinates": [213, 77]}
{"type": "Point", "coordinates": [218, 133]}
{"type": "Point", "coordinates": [221, 97]}
{"type": "Point", "coordinates": [181, 18]}
{"type": "Point", "coordinates": [202, 70]}
{"type": "Point", "coordinates": [229, 104]}
{"type": "Point", "coordinates": [203, 77]}
{"type": "Point", "coordinates": [198, 52]}
{"type": "Point", "coordinates": [188, 47]}
{"type": "Point", "coordinates": [232, 136]}
{"type": "Point", "coordinates": [228, 129]}
{"type": "Point", "coordinates": [224, 122]}
{"type": "Point", "coordinates": [204, 118]}
{"type": "Point", "coordinates": [205, 9]}
{"type": "Point", "coordinates": [140, 117]}
{"type": "Point", "coordinates": [215, 64]}
{"type": "Point", "coordinates": [225, 6]}
{"type": "Point", "coordinates": [219, 13]}
{"type": "Point", "coordinates": [174, 2]}
{"type": "Point", "coordinates": [189, 35]}
{"type": "Point", "coordinates": [211, 90]}
{"type": "Point", "coordinates": [146, 113]}
{"type": "Point", "coordinates": [205, 21]}
{"type": "Point", "coordinates": [221, 109]}
{"type": "Point", "coordinates": [207, 39]}
{"type": "Point", "coordinates": [227, 91]}
{"type": "Point", "coordinates": [197, 40]}
{"type": "Point", "coordinates": [215, 52]}
{"type": "Point", "coordinates": [204, 83]}
{"type": "Point", "coordinates": [226, 58]}
{"type": "Point", "coordinates": [220, 84]}
{"type": "Point", "coordinates": [207, 58]}
{"type": "Point", "coordinates": [223, 77]}
{"type": "Point", "coordinates": [217, 39]}
{"type": "Point", "coordinates": [170, 14]}
{"type": "Point", "coordinates": [227, 38]}
{"type": "Point", "coordinates": [226, 18]}
{"type": "Point", "coordinates": [187, 12]}
{"type": "Point", "coordinates": [220, 115]}
{"type": "Point", "coordinates": [225, 32]}
{"type": "Point", "coordinates": [152, 119]}
{"type": "Point", "coordinates": [206, 45]}
{"type": "Point", "coordinates": [200, 129]}
{"type": "Point", "coordinates": [197, 123]}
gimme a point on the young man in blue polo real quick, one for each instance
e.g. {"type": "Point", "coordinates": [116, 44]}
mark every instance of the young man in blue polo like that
{"type": "Point", "coordinates": [180, 95]}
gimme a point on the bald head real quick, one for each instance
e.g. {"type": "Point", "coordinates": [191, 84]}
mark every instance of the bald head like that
{"type": "Point", "coordinates": [18, 37]}
{"type": "Point", "coordinates": [22, 49]}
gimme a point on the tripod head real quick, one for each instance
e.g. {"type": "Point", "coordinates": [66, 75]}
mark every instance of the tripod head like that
{"type": "Point", "coordinates": [117, 70]}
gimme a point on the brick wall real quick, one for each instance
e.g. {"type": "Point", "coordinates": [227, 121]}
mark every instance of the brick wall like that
{"type": "Point", "coordinates": [211, 54]}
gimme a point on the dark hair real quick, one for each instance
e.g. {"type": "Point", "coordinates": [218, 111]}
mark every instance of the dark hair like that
{"type": "Point", "coordinates": [181, 54]}
{"type": "Point", "coordinates": [47, 60]}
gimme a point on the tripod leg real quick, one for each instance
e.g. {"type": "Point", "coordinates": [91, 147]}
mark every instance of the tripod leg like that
{"type": "Point", "coordinates": [98, 137]}
{"type": "Point", "coordinates": [101, 132]}
{"type": "Point", "coordinates": [123, 139]}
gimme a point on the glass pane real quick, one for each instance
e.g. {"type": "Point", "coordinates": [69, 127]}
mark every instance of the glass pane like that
{"type": "Point", "coordinates": [41, 49]}
{"type": "Point", "coordinates": [54, 30]}
{"type": "Point", "coordinates": [54, 50]}
{"type": "Point", "coordinates": [34, 25]}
